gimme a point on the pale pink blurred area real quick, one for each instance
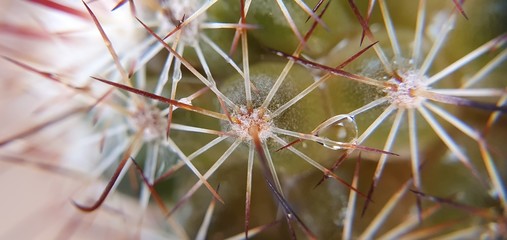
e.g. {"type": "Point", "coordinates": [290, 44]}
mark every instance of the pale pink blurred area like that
{"type": "Point", "coordinates": [64, 42]}
{"type": "Point", "coordinates": [37, 204]}
{"type": "Point", "coordinates": [44, 167]}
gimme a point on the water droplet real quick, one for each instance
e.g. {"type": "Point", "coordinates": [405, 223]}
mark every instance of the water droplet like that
{"type": "Point", "coordinates": [177, 75]}
{"type": "Point", "coordinates": [339, 129]}
{"type": "Point", "coordinates": [185, 101]}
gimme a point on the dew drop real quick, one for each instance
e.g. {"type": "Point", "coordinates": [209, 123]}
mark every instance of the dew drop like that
{"type": "Point", "coordinates": [177, 75]}
{"type": "Point", "coordinates": [185, 101]}
{"type": "Point", "coordinates": [340, 129]}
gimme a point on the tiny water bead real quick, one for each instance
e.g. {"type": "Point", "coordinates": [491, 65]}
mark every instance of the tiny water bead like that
{"type": "Point", "coordinates": [341, 129]}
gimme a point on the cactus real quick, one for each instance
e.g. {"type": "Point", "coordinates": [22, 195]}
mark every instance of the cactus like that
{"type": "Point", "coordinates": [263, 119]}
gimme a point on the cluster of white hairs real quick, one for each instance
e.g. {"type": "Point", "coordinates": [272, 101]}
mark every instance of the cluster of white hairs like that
{"type": "Point", "coordinates": [161, 105]}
